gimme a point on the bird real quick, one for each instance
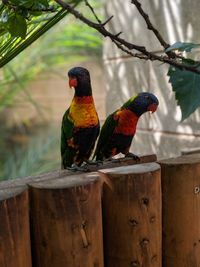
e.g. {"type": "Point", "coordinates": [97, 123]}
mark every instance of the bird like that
{"type": "Point", "coordinates": [119, 128]}
{"type": "Point", "coordinates": [80, 123]}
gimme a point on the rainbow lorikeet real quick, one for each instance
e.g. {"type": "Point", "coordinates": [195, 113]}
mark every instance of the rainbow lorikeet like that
{"type": "Point", "coordinates": [80, 123]}
{"type": "Point", "coordinates": [120, 126]}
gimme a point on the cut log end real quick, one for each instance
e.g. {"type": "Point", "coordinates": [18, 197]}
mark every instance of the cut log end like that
{"type": "Point", "coordinates": [182, 160]}
{"type": "Point", "coordinates": [69, 181]}
{"type": "Point", "coordinates": [6, 193]}
{"type": "Point", "coordinates": [133, 169]}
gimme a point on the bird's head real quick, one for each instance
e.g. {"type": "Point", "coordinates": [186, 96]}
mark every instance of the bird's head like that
{"type": "Point", "coordinates": [144, 102]}
{"type": "Point", "coordinates": [79, 79]}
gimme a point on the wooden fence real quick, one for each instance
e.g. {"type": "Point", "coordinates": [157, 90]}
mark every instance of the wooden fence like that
{"type": "Point", "coordinates": [121, 214]}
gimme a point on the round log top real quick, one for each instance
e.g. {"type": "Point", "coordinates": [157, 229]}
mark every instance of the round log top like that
{"type": "Point", "coordinates": [133, 169]}
{"type": "Point", "coordinates": [7, 193]}
{"type": "Point", "coordinates": [67, 181]}
{"type": "Point", "coordinates": [182, 160]}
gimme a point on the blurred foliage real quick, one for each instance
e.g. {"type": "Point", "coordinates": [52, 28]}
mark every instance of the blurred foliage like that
{"type": "Point", "coordinates": [67, 42]}
{"type": "Point", "coordinates": [34, 155]}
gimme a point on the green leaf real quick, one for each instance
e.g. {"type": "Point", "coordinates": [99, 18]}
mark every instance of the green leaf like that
{"type": "Point", "coordinates": [182, 47]}
{"type": "Point", "coordinates": [15, 2]}
{"type": "Point", "coordinates": [44, 2]}
{"type": "Point", "coordinates": [17, 26]}
{"type": "Point", "coordinates": [2, 31]}
{"type": "Point", "coordinates": [186, 86]}
{"type": "Point", "coordinates": [26, 3]}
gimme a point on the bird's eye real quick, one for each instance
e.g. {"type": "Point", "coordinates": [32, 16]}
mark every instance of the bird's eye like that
{"type": "Point", "coordinates": [147, 97]}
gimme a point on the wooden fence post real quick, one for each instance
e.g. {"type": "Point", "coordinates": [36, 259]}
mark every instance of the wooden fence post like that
{"type": "Point", "coordinates": [66, 222]}
{"type": "Point", "coordinates": [132, 216]}
{"type": "Point", "coordinates": [15, 248]}
{"type": "Point", "coordinates": [181, 211]}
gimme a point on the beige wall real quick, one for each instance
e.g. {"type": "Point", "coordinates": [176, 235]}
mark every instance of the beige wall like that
{"type": "Point", "coordinates": [177, 20]}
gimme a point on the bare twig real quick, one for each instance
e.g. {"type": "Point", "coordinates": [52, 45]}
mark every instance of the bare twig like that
{"type": "Point", "coordinates": [106, 22]}
{"type": "Point", "coordinates": [92, 10]}
{"type": "Point", "coordinates": [125, 45]}
{"type": "Point", "coordinates": [152, 28]}
{"type": "Point", "coordinates": [149, 24]}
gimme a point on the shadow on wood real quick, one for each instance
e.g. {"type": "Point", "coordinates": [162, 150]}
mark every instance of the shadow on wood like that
{"type": "Point", "coordinates": [132, 216]}
{"type": "Point", "coordinates": [15, 248]}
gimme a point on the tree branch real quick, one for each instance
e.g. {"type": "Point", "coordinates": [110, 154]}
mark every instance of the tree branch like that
{"type": "Point", "coordinates": [149, 24]}
{"type": "Point", "coordinates": [125, 45]}
{"type": "Point", "coordinates": [99, 27]}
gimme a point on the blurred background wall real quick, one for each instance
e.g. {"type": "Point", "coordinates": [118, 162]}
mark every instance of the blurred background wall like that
{"type": "Point", "coordinates": [177, 20]}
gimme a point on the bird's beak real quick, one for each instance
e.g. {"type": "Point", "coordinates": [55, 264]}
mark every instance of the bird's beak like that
{"type": "Point", "coordinates": [153, 107]}
{"type": "Point", "coordinates": [73, 82]}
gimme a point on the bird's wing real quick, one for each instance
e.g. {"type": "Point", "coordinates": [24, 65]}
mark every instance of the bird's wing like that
{"type": "Point", "coordinates": [127, 103]}
{"type": "Point", "coordinates": [66, 135]}
{"type": "Point", "coordinates": [105, 135]}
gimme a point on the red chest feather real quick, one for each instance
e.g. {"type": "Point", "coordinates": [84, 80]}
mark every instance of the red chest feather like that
{"type": "Point", "coordinates": [127, 122]}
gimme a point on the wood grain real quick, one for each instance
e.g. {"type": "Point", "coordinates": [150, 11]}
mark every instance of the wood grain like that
{"type": "Point", "coordinates": [132, 216]}
{"type": "Point", "coordinates": [14, 228]}
{"type": "Point", "coordinates": [66, 222]}
{"type": "Point", "coordinates": [181, 211]}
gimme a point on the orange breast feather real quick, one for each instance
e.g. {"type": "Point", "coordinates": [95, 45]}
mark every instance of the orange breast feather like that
{"type": "Point", "coordinates": [127, 122]}
{"type": "Point", "coordinates": [82, 112]}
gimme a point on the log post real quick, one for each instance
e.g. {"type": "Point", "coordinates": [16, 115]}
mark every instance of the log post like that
{"type": "Point", "coordinates": [181, 211]}
{"type": "Point", "coordinates": [15, 248]}
{"type": "Point", "coordinates": [132, 216]}
{"type": "Point", "coordinates": [66, 222]}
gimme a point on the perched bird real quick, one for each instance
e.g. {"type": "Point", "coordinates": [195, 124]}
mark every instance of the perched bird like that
{"type": "Point", "coordinates": [80, 123]}
{"type": "Point", "coordinates": [120, 126]}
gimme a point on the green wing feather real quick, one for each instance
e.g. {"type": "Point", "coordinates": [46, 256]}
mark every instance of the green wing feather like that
{"type": "Point", "coordinates": [105, 136]}
{"type": "Point", "coordinates": [127, 103]}
{"type": "Point", "coordinates": [67, 152]}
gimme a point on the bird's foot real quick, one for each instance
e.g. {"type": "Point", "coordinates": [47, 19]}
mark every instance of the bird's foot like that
{"type": "Point", "coordinates": [76, 168]}
{"type": "Point", "coordinates": [95, 163]}
{"type": "Point", "coordinates": [133, 156]}
{"type": "Point", "coordinates": [113, 160]}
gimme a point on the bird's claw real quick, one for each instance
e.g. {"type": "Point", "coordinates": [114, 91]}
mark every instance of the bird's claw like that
{"type": "Point", "coordinates": [75, 168]}
{"type": "Point", "coordinates": [133, 156]}
{"type": "Point", "coordinates": [96, 162]}
{"type": "Point", "coordinates": [113, 160]}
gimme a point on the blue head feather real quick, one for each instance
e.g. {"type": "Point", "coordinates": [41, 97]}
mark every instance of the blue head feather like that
{"type": "Point", "coordinates": [141, 103]}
